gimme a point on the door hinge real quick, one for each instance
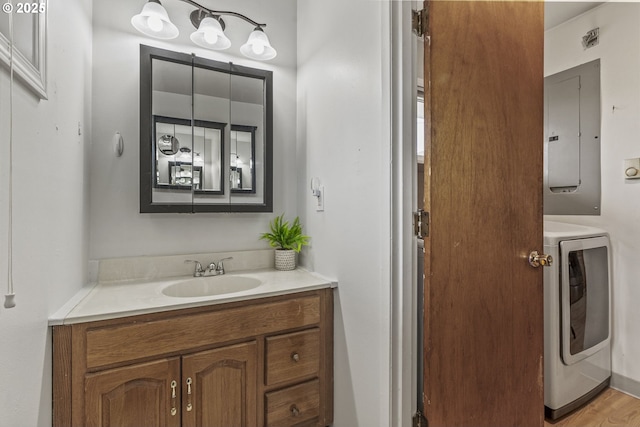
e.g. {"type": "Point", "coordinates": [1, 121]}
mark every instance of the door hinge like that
{"type": "Point", "coordinates": [419, 420]}
{"type": "Point", "coordinates": [419, 22]}
{"type": "Point", "coordinates": [421, 223]}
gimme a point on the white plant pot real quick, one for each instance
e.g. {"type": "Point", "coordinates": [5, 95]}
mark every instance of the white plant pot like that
{"type": "Point", "coordinates": [285, 259]}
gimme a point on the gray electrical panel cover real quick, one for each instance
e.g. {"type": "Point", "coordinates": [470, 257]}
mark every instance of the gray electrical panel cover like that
{"type": "Point", "coordinates": [572, 141]}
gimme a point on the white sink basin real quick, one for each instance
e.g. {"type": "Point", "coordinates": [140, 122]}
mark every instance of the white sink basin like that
{"type": "Point", "coordinates": [210, 286]}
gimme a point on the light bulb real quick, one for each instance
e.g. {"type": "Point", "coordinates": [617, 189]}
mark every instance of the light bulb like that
{"type": "Point", "coordinates": [155, 23]}
{"type": "Point", "coordinates": [210, 34]}
{"type": "Point", "coordinates": [258, 48]}
{"type": "Point", "coordinates": [210, 37]}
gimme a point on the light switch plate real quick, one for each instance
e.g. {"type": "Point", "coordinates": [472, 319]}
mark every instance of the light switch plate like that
{"type": "Point", "coordinates": [632, 168]}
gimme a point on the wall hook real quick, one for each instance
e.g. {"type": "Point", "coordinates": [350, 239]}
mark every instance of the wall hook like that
{"type": "Point", "coordinates": [315, 187]}
{"type": "Point", "coordinates": [118, 144]}
{"type": "Point", "coordinates": [317, 191]}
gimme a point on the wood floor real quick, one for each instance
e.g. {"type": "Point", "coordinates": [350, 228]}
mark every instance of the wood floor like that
{"type": "Point", "coordinates": [610, 408]}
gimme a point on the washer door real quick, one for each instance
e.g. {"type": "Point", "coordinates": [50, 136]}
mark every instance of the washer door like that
{"type": "Point", "coordinates": [585, 295]}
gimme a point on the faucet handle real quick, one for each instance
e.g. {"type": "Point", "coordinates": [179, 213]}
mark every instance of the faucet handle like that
{"type": "Point", "coordinates": [220, 268]}
{"type": "Point", "coordinates": [199, 270]}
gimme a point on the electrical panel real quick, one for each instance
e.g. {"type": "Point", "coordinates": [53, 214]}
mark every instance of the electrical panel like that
{"type": "Point", "coordinates": [572, 141]}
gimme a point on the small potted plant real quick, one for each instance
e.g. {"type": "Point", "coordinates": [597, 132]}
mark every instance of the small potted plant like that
{"type": "Point", "coordinates": [288, 240]}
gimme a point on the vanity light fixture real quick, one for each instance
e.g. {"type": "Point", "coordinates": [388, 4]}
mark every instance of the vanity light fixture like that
{"type": "Point", "coordinates": [258, 46]}
{"type": "Point", "coordinates": [210, 34]}
{"type": "Point", "coordinates": [154, 21]}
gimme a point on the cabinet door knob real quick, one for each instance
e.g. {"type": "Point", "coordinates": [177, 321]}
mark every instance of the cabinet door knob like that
{"type": "Point", "coordinates": [294, 410]}
{"type": "Point", "coordinates": [295, 357]}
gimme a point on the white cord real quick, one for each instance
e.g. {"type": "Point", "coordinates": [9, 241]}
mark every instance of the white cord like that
{"type": "Point", "coordinates": [9, 298]}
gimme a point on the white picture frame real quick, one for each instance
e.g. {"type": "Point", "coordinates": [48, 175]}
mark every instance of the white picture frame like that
{"type": "Point", "coordinates": [32, 72]}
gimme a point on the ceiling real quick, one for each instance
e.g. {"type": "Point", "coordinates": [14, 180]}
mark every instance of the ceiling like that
{"type": "Point", "coordinates": [557, 12]}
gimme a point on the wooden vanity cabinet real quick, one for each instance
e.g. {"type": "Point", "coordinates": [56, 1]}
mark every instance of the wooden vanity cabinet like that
{"type": "Point", "coordinates": [259, 363]}
{"type": "Point", "coordinates": [221, 384]}
{"type": "Point", "coordinates": [114, 397]}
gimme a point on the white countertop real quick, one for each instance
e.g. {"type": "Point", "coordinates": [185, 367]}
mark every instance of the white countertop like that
{"type": "Point", "coordinates": [120, 299]}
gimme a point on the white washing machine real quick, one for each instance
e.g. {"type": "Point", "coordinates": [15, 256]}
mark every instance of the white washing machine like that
{"type": "Point", "coordinates": [577, 316]}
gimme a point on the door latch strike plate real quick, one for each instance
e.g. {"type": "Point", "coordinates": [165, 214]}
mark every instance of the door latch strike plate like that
{"type": "Point", "coordinates": [421, 223]}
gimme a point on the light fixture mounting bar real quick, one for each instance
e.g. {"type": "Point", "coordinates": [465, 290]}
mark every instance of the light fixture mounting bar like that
{"type": "Point", "coordinates": [224, 13]}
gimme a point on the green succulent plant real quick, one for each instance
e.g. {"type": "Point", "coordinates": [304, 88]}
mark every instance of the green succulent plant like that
{"type": "Point", "coordinates": [283, 236]}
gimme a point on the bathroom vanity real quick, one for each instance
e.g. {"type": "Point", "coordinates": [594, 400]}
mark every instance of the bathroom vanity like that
{"type": "Point", "coordinates": [266, 360]}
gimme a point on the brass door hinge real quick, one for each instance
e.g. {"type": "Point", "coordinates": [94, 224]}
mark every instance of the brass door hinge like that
{"type": "Point", "coordinates": [421, 223]}
{"type": "Point", "coordinates": [419, 420]}
{"type": "Point", "coordinates": [419, 22]}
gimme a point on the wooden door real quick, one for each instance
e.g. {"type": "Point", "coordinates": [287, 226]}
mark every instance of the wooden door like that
{"type": "Point", "coordinates": [219, 387]}
{"type": "Point", "coordinates": [483, 148]}
{"type": "Point", "coordinates": [134, 396]}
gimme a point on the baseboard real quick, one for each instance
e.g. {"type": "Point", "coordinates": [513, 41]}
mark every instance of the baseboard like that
{"type": "Point", "coordinates": [625, 385]}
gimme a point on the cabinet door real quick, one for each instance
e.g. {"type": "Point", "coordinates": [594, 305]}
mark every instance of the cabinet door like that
{"type": "Point", "coordinates": [219, 387]}
{"type": "Point", "coordinates": [134, 396]}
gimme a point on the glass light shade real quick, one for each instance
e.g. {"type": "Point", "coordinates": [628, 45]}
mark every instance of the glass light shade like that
{"type": "Point", "coordinates": [258, 46]}
{"type": "Point", "coordinates": [153, 21]}
{"type": "Point", "coordinates": [210, 35]}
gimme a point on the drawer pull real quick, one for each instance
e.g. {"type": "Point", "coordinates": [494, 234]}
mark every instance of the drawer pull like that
{"type": "Point", "coordinates": [294, 410]}
{"type": "Point", "coordinates": [189, 405]}
{"type": "Point", "coordinates": [295, 357]}
{"type": "Point", "coordinates": [174, 411]}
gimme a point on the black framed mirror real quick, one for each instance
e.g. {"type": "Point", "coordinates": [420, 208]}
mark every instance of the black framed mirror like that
{"type": "Point", "coordinates": [193, 111]}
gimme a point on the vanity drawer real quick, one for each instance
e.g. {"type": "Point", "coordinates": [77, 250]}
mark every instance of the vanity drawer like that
{"type": "Point", "coordinates": [293, 406]}
{"type": "Point", "coordinates": [104, 345]}
{"type": "Point", "coordinates": [292, 356]}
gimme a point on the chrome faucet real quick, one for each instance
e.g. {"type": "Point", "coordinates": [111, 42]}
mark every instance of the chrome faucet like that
{"type": "Point", "coordinates": [214, 269]}
{"type": "Point", "coordinates": [199, 271]}
{"type": "Point", "coordinates": [220, 268]}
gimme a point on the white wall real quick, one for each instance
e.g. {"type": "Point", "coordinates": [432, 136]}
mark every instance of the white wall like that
{"type": "Point", "coordinates": [619, 50]}
{"type": "Point", "coordinates": [117, 227]}
{"type": "Point", "coordinates": [50, 210]}
{"type": "Point", "coordinates": [344, 139]}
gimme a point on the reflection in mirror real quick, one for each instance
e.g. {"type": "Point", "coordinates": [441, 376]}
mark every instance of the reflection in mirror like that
{"type": "Point", "coordinates": [211, 87]}
{"type": "Point", "coordinates": [172, 174]}
{"type": "Point", "coordinates": [208, 153]}
{"type": "Point", "coordinates": [168, 144]}
{"type": "Point", "coordinates": [188, 157]}
{"type": "Point", "coordinates": [248, 117]}
{"type": "Point", "coordinates": [243, 179]}
{"type": "Point", "coordinates": [194, 113]}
